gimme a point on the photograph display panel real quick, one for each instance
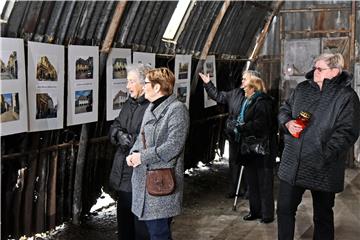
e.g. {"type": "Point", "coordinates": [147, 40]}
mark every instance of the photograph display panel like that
{"type": "Point", "coordinates": [116, 79]}
{"type": "Point", "coordinates": [144, 58]}
{"type": "Point", "coordinates": [14, 118]}
{"type": "Point", "coordinates": [182, 78]}
{"type": "Point", "coordinates": [83, 81]}
{"type": "Point", "coordinates": [45, 86]}
{"type": "Point", "coordinates": [210, 68]}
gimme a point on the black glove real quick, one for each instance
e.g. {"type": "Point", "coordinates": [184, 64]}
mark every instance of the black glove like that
{"type": "Point", "coordinates": [124, 139]}
{"type": "Point", "coordinates": [113, 135]}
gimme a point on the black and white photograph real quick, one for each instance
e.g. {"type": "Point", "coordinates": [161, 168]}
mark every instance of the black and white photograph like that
{"type": "Point", "coordinates": [83, 101]}
{"type": "Point", "coordinates": [119, 68]}
{"type": "Point", "coordinates": [116, 80]}
{"type": "Point", "coordinates": [119, 97]}
{"type": "Point", "coordinates": [46, 106]}
{"type": "Point", "coordinates": [9, 103]}
{"type": "Point", "coordinates": [9, 65]}
{"type": "Point", "coordinates": [183, 70]}
{"type": "Point", "coordinates": [84, 68]}
{"type": "Point", "coordinates": [181, 94]}
{"type": "Point", "coordinates": [210, 69]}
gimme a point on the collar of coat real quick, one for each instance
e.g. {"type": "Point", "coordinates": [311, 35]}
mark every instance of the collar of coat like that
{"type": "Point", "coordinates": [160, 110]}
{"type": "Point", "coordinates": [344, 79]}
{"type": "Point", "coordinates": [140, 100]}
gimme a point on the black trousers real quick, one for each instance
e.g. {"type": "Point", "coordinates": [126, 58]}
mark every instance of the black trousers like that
{"type": "Point", "coordinates": [129, 227]}
{"type": "Point", "coordinates": [261, 184]}
{"type": "Point", "coordinates": [289, 199]}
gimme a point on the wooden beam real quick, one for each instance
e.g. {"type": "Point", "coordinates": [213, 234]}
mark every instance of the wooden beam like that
{"type": "Point", "coordinates": [353, 32]}
{"type": "Point", "coordinates": [80, 163]}
{"type": "Point", "coordinates": [318, 31]}
{"type": "Point", "coordinates": [306, 10]}
{"type": "Point", "coordinates": [261, 39]}
{"type": "Point", "coordinates": [114, 25]}
{"type": "Point", "coordinates": [208, 43]}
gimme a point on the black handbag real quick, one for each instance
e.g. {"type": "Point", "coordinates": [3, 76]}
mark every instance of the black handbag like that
{"type": "Point", "coordinates": [255, 145]}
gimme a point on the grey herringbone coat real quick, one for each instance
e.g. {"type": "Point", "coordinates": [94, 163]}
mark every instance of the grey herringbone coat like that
{"type": "Point", "coordinates": [165, 129]}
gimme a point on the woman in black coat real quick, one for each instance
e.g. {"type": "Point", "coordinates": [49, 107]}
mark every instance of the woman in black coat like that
{"type": "Point", "coordinates": [233, 100]}
{"type": "Point", "coordinates": [123, 133]}
{"type": "Point", "coordinates": [316, 160]}
{"type": "Point", "coordinates": [255, 119]}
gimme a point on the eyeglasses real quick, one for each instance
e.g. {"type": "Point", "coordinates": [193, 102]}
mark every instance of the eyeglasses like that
{"type": "Point", "coordinates": [146, 82]}
{"type": "Point", "coordinates": [320, 69]}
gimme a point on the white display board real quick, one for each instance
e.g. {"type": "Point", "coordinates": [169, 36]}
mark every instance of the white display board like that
{"type": "Point", "coordinates": [83, 84]}
{"type": "Point", "coordinates": [14, 117]}
{"type": "Point", "coordinates": [45, 86]}
{"type": "Point", "coordinates": [182, 78]}
{"type": "Point", "coordinates": [210, 68]}
{"type": "Point", "coordinates": [116, 80]}
{"type": "Point", "coordinates": [144, 58]}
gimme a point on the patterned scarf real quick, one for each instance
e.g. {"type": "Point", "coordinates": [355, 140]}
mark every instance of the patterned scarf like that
{"type": "Point", "coordinates": [241, 117]}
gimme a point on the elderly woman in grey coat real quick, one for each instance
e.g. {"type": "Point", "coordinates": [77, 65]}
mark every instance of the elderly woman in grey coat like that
{"type": "Point", "coordinates": [164, 128]}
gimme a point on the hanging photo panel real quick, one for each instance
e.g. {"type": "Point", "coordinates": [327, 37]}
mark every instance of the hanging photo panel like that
{"type": "Point", "coordinates": [210, 68]}
{"type": "Point", "coordinates": [45, 86]}
{"type": "Point", "coordinates": [83, 84]}
{"type": "Point", "coordinates": [183, 76]}
{"type": "Point", "coordinates": [144, 58]}
{"type": "Point", "coordinates": [116, 79]}
{"type": "Point", "coordinates": [14, 117]}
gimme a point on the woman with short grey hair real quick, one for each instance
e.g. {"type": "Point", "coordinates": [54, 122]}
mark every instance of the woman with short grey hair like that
{"type": "Point", "coordinates": [123, 133]}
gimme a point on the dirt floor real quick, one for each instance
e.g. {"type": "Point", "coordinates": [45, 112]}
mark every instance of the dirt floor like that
{"type": "Point", "coordinates": [204, 191]}
{"type": "Point", "coordinates": [208, 214]}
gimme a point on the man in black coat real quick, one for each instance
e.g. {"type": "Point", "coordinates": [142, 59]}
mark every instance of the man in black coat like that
{"type": "Point", "coordinates": [316, 160]}
{"type": "Point", "coordinates": [122, 134]}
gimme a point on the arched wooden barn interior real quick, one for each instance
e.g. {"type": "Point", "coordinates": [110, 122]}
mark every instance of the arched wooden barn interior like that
{"type": "Point", "coordinates": [55, 176]}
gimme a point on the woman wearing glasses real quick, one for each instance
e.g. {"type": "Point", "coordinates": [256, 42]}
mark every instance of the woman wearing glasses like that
{"type": "Point", "coordinates": [163, 134]}
{"type": "Point", "coordinates": [316, 160]}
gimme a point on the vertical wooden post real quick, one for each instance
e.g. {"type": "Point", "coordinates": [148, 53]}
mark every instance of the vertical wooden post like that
{"type": "Point", "coordinates": [80, 162]}
{"type": "Point", "coordinates": [261, 39]}
{"type": "Point", "coordinates": [120, 7]}
{"type": "Point", "coordinates": [208, 43]}
{"type": "Point", "coordinates": [353, 32]}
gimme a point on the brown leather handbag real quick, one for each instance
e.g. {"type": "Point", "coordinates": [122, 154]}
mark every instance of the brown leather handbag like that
{"type": "Point", "coordinates": [159, 182]}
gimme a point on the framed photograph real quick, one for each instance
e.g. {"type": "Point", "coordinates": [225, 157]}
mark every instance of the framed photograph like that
{"type": "Point", "coordinates": [183, 78]}
{"type": "Point", "coordinates": [14, 117]}
{"type": "Point", "coordinates": [116, 80]}
{"type": "Point", "coordinates": [83, 84]}
{"type": "Point", "coordinates": [209, 68]}
{"type": "Point", "coordinates": [45, 86]}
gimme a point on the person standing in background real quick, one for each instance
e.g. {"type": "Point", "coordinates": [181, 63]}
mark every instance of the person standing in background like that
{"type": "Point", "coordinates": [123, 133]}
{"type": "Point", "coordinates": [233, 99]}
{"type": "Point", "coordinates": [256, 120]}
{"type": "Point", "coordinates": [315, 160]}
